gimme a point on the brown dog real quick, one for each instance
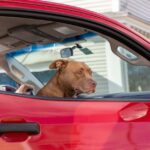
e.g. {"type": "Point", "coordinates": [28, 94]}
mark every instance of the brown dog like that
{"type": "Point", "coordinates": [72, 78]}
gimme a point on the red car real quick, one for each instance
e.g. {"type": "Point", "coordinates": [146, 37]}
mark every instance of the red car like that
{"type": "Point", "coordinates": [33, 33]}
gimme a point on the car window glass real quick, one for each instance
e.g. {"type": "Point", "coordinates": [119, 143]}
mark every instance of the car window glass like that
{"type": "Point", "coordinates": [35, 52]}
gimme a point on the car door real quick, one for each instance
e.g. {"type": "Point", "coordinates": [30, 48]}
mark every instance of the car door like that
{"type": "Point", "coordinates": [103, 122]}
{"type": "Point", "coordinates": [81, 124]}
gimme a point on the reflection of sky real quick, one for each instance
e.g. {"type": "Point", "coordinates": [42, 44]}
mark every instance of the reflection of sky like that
{"type": "Point", "coordinates": [38, 47]}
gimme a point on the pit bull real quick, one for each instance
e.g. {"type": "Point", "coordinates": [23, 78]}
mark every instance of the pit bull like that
{"type": "Point", "coordinates": [72, 78]}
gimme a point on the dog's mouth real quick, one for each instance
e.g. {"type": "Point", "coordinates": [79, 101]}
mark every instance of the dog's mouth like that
{"type": "Point", "coordinates": [87, 88]}
{"type": "Point", "coordinates": [77, 91]}
{"type": "Point", "coordinates": [88, 91]}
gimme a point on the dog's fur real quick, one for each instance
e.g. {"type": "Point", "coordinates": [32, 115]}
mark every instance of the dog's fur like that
{"type": "Point", "coordinates": [72, 78]}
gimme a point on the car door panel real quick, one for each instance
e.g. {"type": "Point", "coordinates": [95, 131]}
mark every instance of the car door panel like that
{"type": "Point", "coordinates": [75, 124]}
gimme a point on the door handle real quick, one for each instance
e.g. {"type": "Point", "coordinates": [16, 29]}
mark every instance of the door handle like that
{"type": "Point", "coordinates": [29, 128]}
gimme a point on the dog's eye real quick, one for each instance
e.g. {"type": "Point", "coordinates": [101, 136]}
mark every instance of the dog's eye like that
{"type": "Point", "coordinates": [80, 72]}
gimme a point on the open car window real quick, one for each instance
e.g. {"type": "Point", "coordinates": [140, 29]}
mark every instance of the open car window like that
{"type": "Point", "coordinates": [30, 46]}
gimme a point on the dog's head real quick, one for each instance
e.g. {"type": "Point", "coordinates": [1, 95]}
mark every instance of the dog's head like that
{"type": "Point", "coordinates": [75, 75]}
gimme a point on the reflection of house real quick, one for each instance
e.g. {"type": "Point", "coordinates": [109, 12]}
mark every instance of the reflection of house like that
{"type": "Point", "coordinates": [134, 14]}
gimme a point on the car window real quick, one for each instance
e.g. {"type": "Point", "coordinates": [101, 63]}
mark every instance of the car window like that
{"type": "Point", "coordinates": [33, 45]}
{"type": "Point", "coordinates": [38, 58]}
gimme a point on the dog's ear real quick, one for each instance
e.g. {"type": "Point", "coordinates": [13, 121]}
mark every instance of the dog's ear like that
{"type": "Point", "coordinates": [58, 64]}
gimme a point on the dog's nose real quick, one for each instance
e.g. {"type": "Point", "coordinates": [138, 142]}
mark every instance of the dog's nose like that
{"type": "Point", "coordinates": [92, 82]}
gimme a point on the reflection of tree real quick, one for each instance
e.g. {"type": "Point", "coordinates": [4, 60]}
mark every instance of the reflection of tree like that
{"type": "Point", "coordinates": [139, 78]}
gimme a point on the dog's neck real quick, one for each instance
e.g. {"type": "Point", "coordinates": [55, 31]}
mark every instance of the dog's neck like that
{"type": "Point", "coordinates": [56, 88]}
{"type": "Point", "coordinates": [62, 86]}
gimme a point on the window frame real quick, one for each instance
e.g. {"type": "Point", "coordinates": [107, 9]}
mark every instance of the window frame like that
{"type": "Point", "coordinates": [78, 21]}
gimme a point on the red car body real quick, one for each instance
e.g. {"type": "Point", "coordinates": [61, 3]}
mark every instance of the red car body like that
{"type": "Point", "coordinates": [81, 124]}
